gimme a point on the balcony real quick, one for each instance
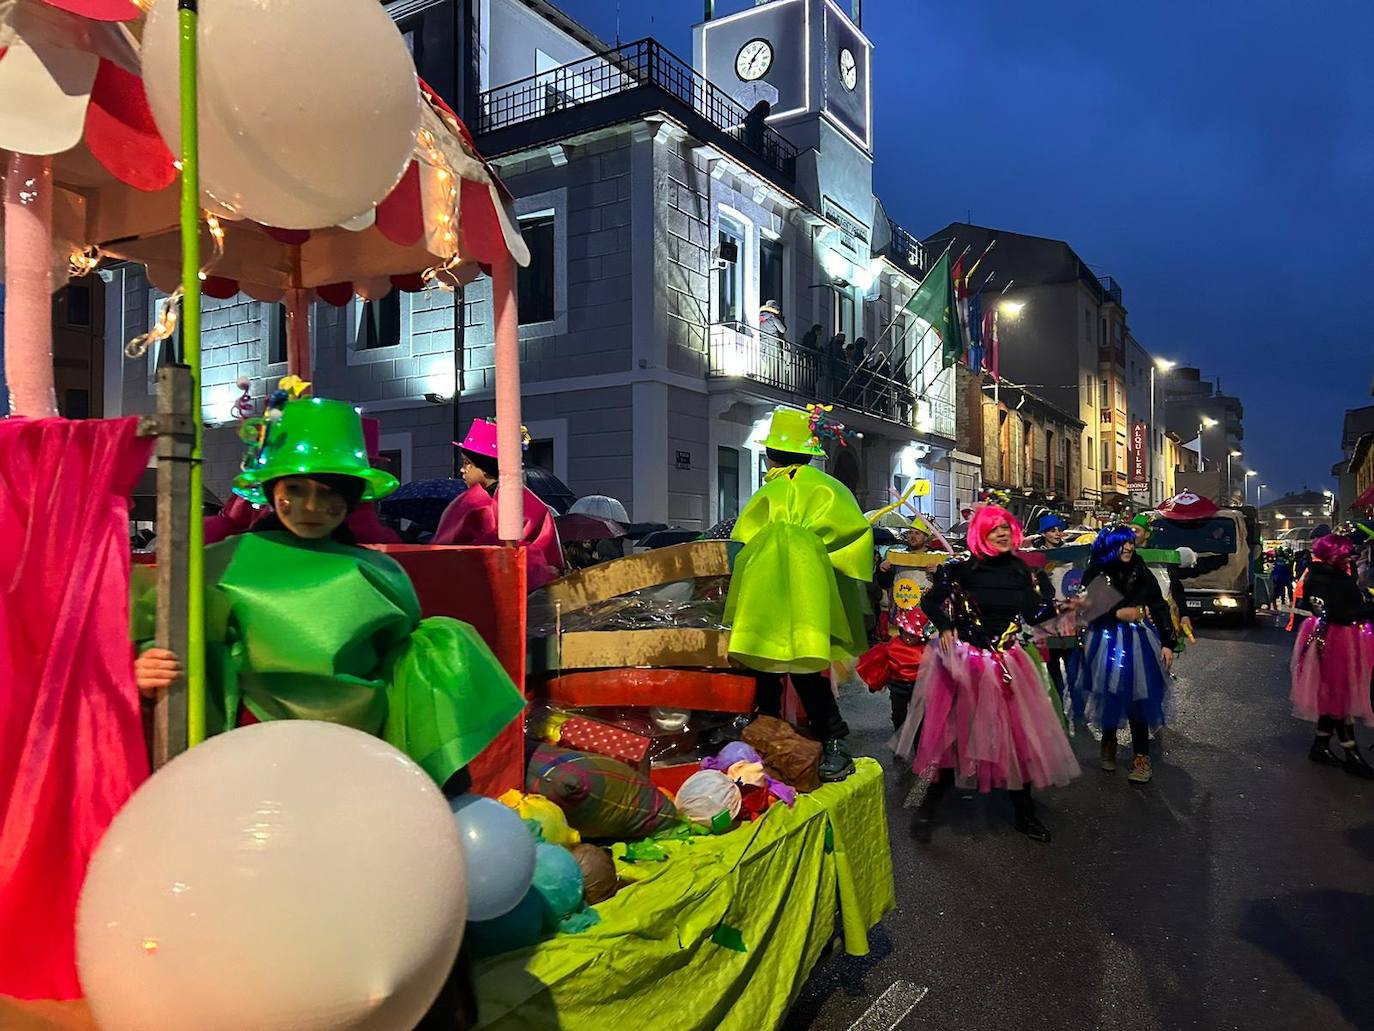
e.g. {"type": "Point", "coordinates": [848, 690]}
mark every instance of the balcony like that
{"type": "Point", "coordinates": [906, 251]}
{"type": "Point", "coordinates": [737, 351]}
{"type": "Point", "coordinates": [1111, 288]}
{"type": "Point", "coordinates": [619, 85]}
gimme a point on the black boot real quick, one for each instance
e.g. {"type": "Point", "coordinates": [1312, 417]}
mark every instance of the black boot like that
{"type": "Point", "coordinates": [1355, 763]}
{"type": "Point", "coordinates": [1026, 821]}
{"type": "Point", "coordinates": [1320, 752]}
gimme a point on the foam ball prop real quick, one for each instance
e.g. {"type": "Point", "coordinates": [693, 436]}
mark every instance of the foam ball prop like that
{"type": "Point", "coordinates": [557, 882]}
{"type": "Point", "coordinates": [599, 879]}
{"type": "Point", "coordinates": [518, 929]}
{"type": "Point", "coordinates": [291, 874]}
{"type": "Point", "coordinates": [498, 854]}
{"type": "Point", "coordinates": [709, 798]}
{"type": "Point", "coordinates": [308, 108]}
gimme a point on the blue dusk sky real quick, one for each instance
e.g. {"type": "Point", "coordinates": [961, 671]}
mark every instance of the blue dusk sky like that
{"type": "Point", "coordinates": [1217, 159]}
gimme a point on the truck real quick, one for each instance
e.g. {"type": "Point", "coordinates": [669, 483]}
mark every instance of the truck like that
{"type": "Point", "coordinates": [1229, 591]}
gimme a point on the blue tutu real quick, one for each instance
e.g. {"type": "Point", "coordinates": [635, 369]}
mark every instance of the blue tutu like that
{"type": "Point", "coordinates": [1122, 666]}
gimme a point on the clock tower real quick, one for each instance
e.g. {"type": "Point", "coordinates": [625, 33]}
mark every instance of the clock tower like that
{"type": "Point", "coordinates": [813, 64]}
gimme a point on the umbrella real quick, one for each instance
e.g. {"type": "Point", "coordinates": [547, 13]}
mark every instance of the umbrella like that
{"type": "Point", "coordinates": [549, 489]}
{"type": "Point", "coordinates": [575, 526]}
{"type": "Point", "coordinates": [600, 506]}
{"type": "Point", "coordinates": [667, 538]}
{"type": "Point", "coordinates": [422, 501]}
{"type": "Point", "coordinates": [721, 531]}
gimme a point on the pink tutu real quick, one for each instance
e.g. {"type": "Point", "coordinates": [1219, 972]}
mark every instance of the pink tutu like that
{"type": "Point", "coordinates": [988, 717]}
{"type": "Point", "coordinates": [1333, 679]}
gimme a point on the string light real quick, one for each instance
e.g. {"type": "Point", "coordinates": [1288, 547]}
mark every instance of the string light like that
{"type": "Point", "coordinates": [167, 317]}
{"type": "Point", "coordinates": [445, 274]}
{"type": "Point", "coordinates": [84, 261]}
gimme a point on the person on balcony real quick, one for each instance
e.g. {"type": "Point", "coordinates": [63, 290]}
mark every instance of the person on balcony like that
{"type": "Point", "coordinates": [796, 594]}
{"type": "Point", "coordinates": [771, 321]}
{"type": "Point", "coordinates": [471, 517]}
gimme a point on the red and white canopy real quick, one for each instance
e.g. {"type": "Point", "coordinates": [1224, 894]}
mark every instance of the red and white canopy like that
{"type": "Point", "coordinates": [1188, 505]}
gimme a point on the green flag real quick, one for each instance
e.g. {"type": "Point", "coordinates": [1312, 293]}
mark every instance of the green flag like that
{"type": "Point", "coordinates": [934, 302]}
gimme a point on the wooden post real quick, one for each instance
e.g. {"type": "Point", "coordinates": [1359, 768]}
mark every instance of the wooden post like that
{"type": "Point", "coordinates": [176, 437]}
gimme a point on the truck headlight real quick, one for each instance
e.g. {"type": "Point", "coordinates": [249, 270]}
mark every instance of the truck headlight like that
{"type": "Point", "coordinates": [1227, 603]}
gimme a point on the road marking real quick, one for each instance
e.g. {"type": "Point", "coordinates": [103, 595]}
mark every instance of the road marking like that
{"type": "Point", "coordinates": [890, 1008]}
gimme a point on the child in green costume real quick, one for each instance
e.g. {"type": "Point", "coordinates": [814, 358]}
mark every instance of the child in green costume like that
{"type": "Point", "coordinates": [795, 600]}
{"type": "Point", "coordinates": [301, 623]}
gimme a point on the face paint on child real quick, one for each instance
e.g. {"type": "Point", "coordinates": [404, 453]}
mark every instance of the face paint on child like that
{"type": "Point", "coordinates": [307, 508]}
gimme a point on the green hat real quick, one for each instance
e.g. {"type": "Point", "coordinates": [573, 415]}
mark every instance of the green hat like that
{"type": "Point", "coordinates": [313, 436]}
{"type": "Point", "coordinates": [791, 431]}
{"type": "Point", "coordinates": [1142, 519]}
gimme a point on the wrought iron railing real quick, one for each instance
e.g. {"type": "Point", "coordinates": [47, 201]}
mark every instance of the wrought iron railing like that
{"type": "Point", "coordinates": [739, 351]}
{"type": "Point", "coordinates": [907, 250]}
{"type": "Point", "coordinates": [644, 64]}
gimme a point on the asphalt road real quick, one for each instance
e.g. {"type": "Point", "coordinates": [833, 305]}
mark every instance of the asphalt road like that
{"type": "Point", "coordinates": [1235, 891]}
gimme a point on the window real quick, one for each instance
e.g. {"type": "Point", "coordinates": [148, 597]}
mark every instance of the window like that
{"type": "Point", "coordinates": [730, 271]}
{"type": "Point", "coordinates": [379, 322]}
{"type": "Point", "coordinates": [540, 453]}
{"type": "Point", "coordinates": [1106, 455]}
{"type": "Point", "coordinates": [1106, 393]}
{"type": "Point", "coordinates": [770, 271]}
{"type": "Point", "coordinates": [78, 297]}
{"type": "Point", "coordinates": [536, 282]}
{"type": "Point", "coordinates": [278, 337]}
{"type": "Point", "coordinates": [1088, 325]}
{"type": "Point", "coordinates": [727, 483]}
{"type": "Point", "coordinates": [1091, 453]}
{"type": "Point", "coordinates": [844, 315]}
{"type": "Point", "coordinates": [1092, 401]}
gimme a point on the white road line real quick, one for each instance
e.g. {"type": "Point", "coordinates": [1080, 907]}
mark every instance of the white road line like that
{"type": "Point", "coordinates": [890, 1008]}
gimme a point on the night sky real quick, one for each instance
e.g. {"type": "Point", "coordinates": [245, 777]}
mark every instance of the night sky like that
{"type": "Point", "coordinates": [1216, 158]}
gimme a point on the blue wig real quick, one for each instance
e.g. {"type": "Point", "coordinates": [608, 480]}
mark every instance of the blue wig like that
{"type": "Point", "coordinates": [1107, 547]}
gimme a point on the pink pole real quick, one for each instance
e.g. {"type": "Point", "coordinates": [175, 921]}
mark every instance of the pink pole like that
{"type": "Point", "coordinates": [510, 488]}
{"type": "Point", "coordinates": [28, 286]}
{"type": "Point", "coordinates": [297, 334]}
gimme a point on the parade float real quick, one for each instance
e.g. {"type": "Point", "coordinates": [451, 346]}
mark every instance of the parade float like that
{"type": "Point", "coordinates": [214, 894]}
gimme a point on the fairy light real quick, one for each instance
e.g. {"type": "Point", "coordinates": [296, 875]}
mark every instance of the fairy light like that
{"type": "Point", "coordinates": [445, 274]}
{"type": "Point", "coordinates": [166, 323]}
{"type": "Point", "coordinates": [84, 261]}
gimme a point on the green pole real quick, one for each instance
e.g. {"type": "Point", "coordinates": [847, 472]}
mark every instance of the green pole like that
{"type": "Point", "coordinates": [190, 336]}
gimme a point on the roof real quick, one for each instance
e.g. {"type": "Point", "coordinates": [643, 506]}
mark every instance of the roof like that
{"type": "Point", "coordinates": [1029, 260]}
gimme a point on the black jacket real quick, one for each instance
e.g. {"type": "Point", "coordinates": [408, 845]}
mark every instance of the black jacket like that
{"type": "Point", "coordinates": [1002, 587]}
{"type": "Point", "coordinates": [1344, 603]}
{"type": "Point", "coordinates": [1139, 589]}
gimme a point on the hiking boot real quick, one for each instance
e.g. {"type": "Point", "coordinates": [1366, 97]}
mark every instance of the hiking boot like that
{"type": "Point", "coordinates": [1141, 770]}
{"type": "Point", "coordinates": [1356, 765]}
{"type": "Point", "coordinates": [1109, 755]}
{"type": "Point", "coordinates": [836, 762]}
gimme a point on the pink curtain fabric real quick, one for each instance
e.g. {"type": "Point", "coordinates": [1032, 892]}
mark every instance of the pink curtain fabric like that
{"type": "Point", "coordinates": [71, 736]}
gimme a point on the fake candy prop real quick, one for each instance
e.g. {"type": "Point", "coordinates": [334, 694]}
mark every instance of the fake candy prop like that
{"type": "Point", "coordinates": [599, 879]}
{"type": "Point", "coordinates": [289, 90]}
{"type": "Point", "coordinates": [602, 798]}
{"type": "Point", "coordinates": [546, 817]}
{"type": "Point", "coordinates": [709, 799]}
{"type": "Point", "coordinates": [292, 874]}
{"type": "Point", "coordinates": [498, 853]}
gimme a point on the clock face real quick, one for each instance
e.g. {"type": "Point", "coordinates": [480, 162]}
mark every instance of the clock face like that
{"type": "Point", "coordinates": [754, 59]}
{"type": "Point", "coordinates": [849, 71]}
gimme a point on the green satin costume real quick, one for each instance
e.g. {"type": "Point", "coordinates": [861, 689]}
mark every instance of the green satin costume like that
{"type": "Point", "coordinates": [321, 630]}
{"type": "Point", "coordinates": [795, 599]}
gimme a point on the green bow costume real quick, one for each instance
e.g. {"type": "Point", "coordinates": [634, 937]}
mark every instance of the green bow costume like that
{"type": "Point", "coordinates": [321, 630]}
{"type": "Point", "coordinates": [795, 600]}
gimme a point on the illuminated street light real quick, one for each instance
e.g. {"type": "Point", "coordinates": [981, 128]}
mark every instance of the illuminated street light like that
{"type": "Point", "coordinates": [1164, 364]}
{"type": "Point", "coordinates": [1012, 309]}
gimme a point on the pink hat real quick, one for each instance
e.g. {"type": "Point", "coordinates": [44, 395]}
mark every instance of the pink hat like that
{"type": "Point", "coordinates": [481, 438]}
{"type": "Point", "coordinates": [372, 436]}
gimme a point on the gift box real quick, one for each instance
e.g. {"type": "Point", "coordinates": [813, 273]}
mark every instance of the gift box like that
{"type": "Point", "coordinates": [589, 735]}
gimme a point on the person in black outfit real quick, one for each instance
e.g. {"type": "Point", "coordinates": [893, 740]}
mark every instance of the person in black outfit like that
{"type": "Point", "coordinates": [981, 711]}
{"type": "Point", "coordinates": [1129, 651]}
{"type": "Point", "coordinates": [1333, 658]}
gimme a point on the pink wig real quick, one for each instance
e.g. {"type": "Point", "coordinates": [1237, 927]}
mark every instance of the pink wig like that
{"type": "Point", "coordinates": [985, 520]}
{"type": "Point", "coordinates": [1333, 550]}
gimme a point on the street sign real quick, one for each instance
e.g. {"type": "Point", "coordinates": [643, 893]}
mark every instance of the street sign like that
{"type": "Point", "coordinates": [920, 489]}
{"type": "Point", "coordinates": [1082, 505]}
{"type": "Point", "coordinates": [1140, 478]}
{"type": "Point", "coordinates": [684, 460]}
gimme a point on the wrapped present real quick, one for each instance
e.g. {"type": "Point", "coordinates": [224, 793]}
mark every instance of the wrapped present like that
{"type": "Point", "coordinates": [590, 735]}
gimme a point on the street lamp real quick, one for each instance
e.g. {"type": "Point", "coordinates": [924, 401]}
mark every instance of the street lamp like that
{"type": "Point", "coordinates": [1259, 493]}
{"type": "Point", "coordinates": [1162, 366]}
{"type": "Point", "coordinates": [1249, 473]}
{"type": "Point", "coordinates": [1012, 309]}
{"type": "Point", "coordinates": [1230, 455]}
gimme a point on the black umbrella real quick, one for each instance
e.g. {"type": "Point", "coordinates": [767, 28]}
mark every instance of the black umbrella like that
{"type": "Point", "coordinates": [667, 538]}
{"type": "Point", "coordinates": [422, 501]}
{"type": "Point", "coordinates": [720, 532]}
{"type": "Point", "coordinates": [144, 498]}
{"type": "Point", "coordinates": [549, 489]}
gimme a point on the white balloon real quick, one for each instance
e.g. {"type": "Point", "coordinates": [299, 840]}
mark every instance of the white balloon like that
{"type": "Point", "coordinates": [308, 108]}
{"type": "Point", "coordinates": [292, 874]}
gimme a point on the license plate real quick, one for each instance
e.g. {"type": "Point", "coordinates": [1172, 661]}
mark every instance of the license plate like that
{"type": "Point", "coordinates": [1195, 604]}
